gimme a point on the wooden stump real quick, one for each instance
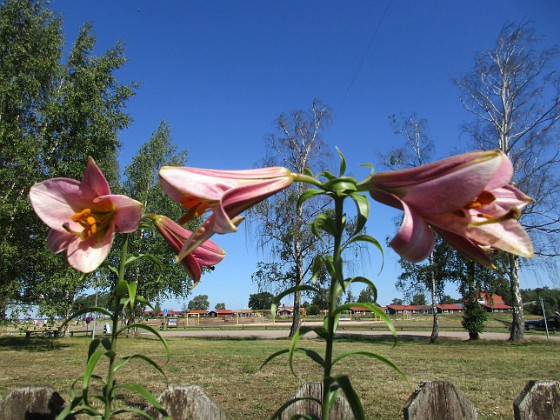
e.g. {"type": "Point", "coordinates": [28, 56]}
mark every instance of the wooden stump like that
{"type": "Point", "coordinates": [538, 400]}
{"type": "Point", "coordinates": [187, 403]}
{"type": "Point", "coordinates": [32, 402]}
{"type": "Point", "coordinates": [339, 411]}
{"type": "Point", "coordinates": [438, 400]}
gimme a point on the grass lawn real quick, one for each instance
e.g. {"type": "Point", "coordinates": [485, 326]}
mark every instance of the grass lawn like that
{"type": "Point", "coordinates": [490, 373]}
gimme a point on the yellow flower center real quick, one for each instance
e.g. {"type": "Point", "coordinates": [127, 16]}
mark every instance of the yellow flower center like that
{"type": "Point", "coordinates": [91, 222]}
{"type": "Point", "coordinates": [483, 199]}
{"type": "Point", "coordinates": [195, 207]}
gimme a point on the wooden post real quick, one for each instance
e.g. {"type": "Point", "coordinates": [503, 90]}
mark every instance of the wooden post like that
{"type": "Point", "coordinates": [438, 400]}
{"type": "Point", "coordinates": [538, 400]}
{"type": "Point", "coordinates": [32, 402]}
{"type": "Point", "coordinates": [187, 403]}
{"type": "Point", "coordinates": [340, 410]}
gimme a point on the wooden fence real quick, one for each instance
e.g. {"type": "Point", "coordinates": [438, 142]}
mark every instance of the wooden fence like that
{"type": "Point", "coordinates": [539, 400]}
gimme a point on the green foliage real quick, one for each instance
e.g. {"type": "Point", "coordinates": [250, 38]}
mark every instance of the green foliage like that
{"type": "Point", "coordinates": [313, 309]}
{"type": "Point", "coordinates": [474, 319]}
{"type": "Point", "coordinates": [261, 300]}
{"type": "Point", "coordinates": [418, 299]}
{"type": "Point", "coordinates": [220, 306]}
{"type": "Point", "coordinates": [199, 302]}
{"type": "Point", "coordinates": [367, 295]}
{"type": "Point", "coordinates": [53, 115]}
{"type": "Point", "coordinates": [550, 299]}
{"type": "Point", "coordinates": [85, 301]}
{"type": "Point", "coordinates": [141, 183]}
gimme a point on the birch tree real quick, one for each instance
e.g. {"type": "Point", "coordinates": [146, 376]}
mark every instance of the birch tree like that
{"type": "Point", "coordinates": [281, 225]}
{"type": "Point", "coordinates": [515, 99]}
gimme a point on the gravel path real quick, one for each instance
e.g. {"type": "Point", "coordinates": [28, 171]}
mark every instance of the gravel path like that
{"type": "Point", "coordinates": [283, 333]}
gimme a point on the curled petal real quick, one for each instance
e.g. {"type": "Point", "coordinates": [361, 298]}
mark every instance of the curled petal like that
{"type": "Point", "coordinates": [414, 241]}
{"type": "Point", "coordinates": [466, 247]}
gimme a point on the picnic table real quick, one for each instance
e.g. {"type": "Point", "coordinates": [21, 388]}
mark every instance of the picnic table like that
{"type": "Point", "coordinates": [49, 332]}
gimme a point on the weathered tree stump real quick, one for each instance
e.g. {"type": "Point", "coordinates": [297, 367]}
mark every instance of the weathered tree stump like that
{"type": "Point", "coordinates": [188, 402]}
{"type": "Point", "coordinates": [32, 402]}
{"type": "Point", "coordinates": [538, 400]}
{"type": "Point", "coordinates": [340, 410]}
{"type": "Point", "coordinates": [438, 400]}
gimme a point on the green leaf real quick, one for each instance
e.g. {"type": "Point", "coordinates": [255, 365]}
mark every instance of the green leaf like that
{"type": "Point", "coordinates": [372, 307]}
{"type": "Point", "coordinates": [93, 346]}
{"type": "Point", "coordinates": [153, 259]}
{"type": "Point", "coordinates": [301, 287]}
{"type": "Point", "coordinates": [292, 347]}
{"type": "Point", "coordinates": [121, 288]}
{"type": "Point", "coordinates": [313, 355]}
{"type": "Point", "coordinates": [154, 332]}
{"type": "Point", "coordinates": [362, 206]}
{"type": "Point", "coordinates": [342, 162]}
{"type": "Point", "coordinates": [139, 413]}
{"type": "Point", "coordinates": [318, 263]}
{"type": "Point", "coordinates": [114, 269]}
{"type": "Point", "coordinates": [366, 281]}
{"type": "Point", "coordinates": [107, 343]}
{"type": "Point", "coordinates": [341, 186]}
{"type": "Point", "coordinates": [144, 393]}
{"type": "Point", "coordinates": [92, 362]}
{"type": "Point", "coordinates": [370, 239]}
{"type": "Point", "coordinates": [124, 361]}
{"type": "Point", "coordinates": [274, 356]}
{"type": "Point", "coordinates": [132, 287]}
{"type": "Point", "coordinates": [326, 174]}
{"type": "Point", "coordinates": [307, 194]}
{"type": "Point", "coordinates": [325, 223]}
{"type": "Point", "coordinates": [95, 309]}
{"type": "Point", "coordinates": [372, 356]}
{"type": "Point", "coordinates": [351, 395]}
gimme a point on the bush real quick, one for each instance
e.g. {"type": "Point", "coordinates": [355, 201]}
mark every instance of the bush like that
{"type": "Point", "coordinates": [474, 319]}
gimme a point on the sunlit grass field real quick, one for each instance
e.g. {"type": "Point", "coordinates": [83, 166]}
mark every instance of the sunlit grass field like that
{"type": "Point", "coordinates": [490, 373]}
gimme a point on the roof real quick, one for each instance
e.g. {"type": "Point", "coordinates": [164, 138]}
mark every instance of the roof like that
{"type": "Point", "coordinates": [221, 311]}
{"type": "Point", "coordinates": [196, 311]}
{"type": "Point", "coordinates": [450, 307]}
{"type": "Point", "coordinates": [402, 307]}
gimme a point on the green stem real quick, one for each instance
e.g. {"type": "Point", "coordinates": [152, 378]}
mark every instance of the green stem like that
{"type": "Point", "coordinates": [307, 179]}
{"type": "Point", "coordinates": [114, 335]}
{"type": "Point", "coordinates": [333, 289]}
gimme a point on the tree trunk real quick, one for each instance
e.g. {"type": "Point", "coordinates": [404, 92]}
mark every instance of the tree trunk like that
{"type": "Point", "coordinates": [517, 324]}
{"type": "Point", "coordinates": [296, 320]}
{"type": "Point", "coordinates": [435, 327]}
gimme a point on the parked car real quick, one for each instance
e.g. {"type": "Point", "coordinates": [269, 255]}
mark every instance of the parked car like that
{"type": "Point", "coordinates": [553, 324]}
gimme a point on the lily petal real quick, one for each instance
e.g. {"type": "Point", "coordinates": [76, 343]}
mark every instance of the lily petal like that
{"type": "Point", "coordinates": [87, 256]}
{"type": "Point", "coordinates": [83, 216]}
{"type": "Point", "coordinates": [414, 241]}
{"type": "Point", "coordinates": [466, 198]}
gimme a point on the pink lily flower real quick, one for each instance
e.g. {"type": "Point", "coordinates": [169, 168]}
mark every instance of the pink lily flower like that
{"type": "Point", "coordinates": [208, 254]}
{"type": "Point", "coordinates": [225, 193]}
{"type": "Point", "coordinates": [83, 216]}
{"type": "Point", "coordinates": [467, 199]}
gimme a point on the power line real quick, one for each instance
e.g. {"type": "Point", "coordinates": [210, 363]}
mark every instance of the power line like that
{"type": "Point", "coordinates": [364, 56]}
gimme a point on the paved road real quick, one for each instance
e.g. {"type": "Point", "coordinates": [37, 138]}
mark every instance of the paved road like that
{"type": "Point", "coordinates": [283, 333]}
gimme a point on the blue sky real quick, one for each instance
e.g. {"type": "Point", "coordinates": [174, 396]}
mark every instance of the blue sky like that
{"type": "Point", "coordinates": [220, 72]}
